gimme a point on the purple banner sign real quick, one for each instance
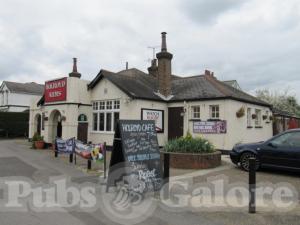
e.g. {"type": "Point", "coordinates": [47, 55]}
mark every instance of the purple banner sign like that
{"type": "Point", "coordinates": [210, 127]}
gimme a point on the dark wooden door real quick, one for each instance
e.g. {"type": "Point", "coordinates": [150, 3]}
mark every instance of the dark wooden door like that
{"type": "Point", "coordinates": [175, 122]}
{"type": "Point", "coordinates": [82, 132]}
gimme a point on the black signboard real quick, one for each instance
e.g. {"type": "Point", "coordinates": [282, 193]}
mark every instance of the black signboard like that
{"type": "Point", "coordinates": [136, 147]}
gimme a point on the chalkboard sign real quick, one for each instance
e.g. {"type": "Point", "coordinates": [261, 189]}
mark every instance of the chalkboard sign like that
{"type": "Point", "coordinates": [136, 144]}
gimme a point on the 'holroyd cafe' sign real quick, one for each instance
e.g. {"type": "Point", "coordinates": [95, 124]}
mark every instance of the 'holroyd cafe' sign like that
{"type": "Point", "coordinates": [56, 90]}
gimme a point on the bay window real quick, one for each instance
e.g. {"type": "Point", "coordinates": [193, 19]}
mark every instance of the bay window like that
{"type": "Point", "coordinates": [105, 115]}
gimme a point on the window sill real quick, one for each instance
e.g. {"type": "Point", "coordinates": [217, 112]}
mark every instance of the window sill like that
{"type": "Point", "coordinates": [213, 120]}
{"type": "Point", "coordinates": [249, 127]}
{"type": "Point", "coordinates": [258, 127]}
{"type": "Point", "coordinates": [195, 119]}
{"type": "Point", "coordinates": [102, 132]}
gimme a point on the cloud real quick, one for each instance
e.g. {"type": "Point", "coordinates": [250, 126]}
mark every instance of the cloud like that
{"type": "Point", "coordinates": [207, 12]}
{"type": "Point", "coordinates": [254, 41]}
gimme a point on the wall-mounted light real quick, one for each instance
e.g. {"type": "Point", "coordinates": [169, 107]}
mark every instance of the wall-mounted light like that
{"type": "Point", "coordinates": [183, 112]}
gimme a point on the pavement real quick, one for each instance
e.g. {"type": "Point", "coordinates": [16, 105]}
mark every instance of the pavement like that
{"type": "Point", "coordinates": [18, 161]}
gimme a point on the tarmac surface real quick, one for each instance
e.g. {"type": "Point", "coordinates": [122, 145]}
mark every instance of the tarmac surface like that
{"type": "Point", "coordinates": [19, 162]}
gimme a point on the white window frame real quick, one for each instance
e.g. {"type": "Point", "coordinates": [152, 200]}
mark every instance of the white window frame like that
{"type": "Point", "coordinates": [103, 104]}
{"type": "Point", "coordinates": [214, 112]}
{"type": "Point", "coordinates": [258, 117]}
{"type": "Point", "coordinates": [193, 112]}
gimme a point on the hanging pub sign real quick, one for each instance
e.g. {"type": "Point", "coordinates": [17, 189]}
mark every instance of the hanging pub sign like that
{"type": "Point", "coordinates": [156, 115]}
{"type": "Point", "coordinates": [56, 90]}
{"type": "Point", "coordinates": [136, 146]}
{"type": "Point", "coordinates": [210, 127]}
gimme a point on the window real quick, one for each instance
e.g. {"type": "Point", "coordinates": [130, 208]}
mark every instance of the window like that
{"type": "Point", "coordinates": [195, 112]}
{"type": "Point", "coordinates": [102, 105]}
{"type": "Point", "coordinates": [116, 118]}
{"type": "Point", "coordinates": [95, 105]}
{"type": "Point", "coordinates": [95, 121]}
{"type": "Point", "coordinates": [101, 121]}
{"type": "Point", "coordinates": [108, 121]}
{"type": "Point", "coordinates": [109, 105]}
{"type": "Point", "coordinates": [249, 118]}
{"type": "Point", "coordinates": [289, 139]}
{"type": "Point", "coordinates": [105, 115]}
{"type": "Point", "coordinates": [214, 112]}
{"type": "Point", "coordinates": [117, 104]}
{"type": "Point", "coordinates": [258, 117]}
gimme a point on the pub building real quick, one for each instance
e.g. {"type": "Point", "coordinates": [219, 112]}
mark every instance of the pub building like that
{"type": "Point", "coordinates": [200, 104]}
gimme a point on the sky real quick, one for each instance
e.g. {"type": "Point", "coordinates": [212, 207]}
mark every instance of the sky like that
{"type": "Point", "coordinates": [253, 41]}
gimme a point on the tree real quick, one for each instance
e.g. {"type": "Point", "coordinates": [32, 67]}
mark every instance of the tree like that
{"type": "Point", "coordinates": [282, 101]}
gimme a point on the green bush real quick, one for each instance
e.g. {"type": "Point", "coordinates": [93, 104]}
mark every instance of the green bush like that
{"type": "Point", "coordinates": [188, 144]}
{"type": "Point", "coordinates": [36, 137]}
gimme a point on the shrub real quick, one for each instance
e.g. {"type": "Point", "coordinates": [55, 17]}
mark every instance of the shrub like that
{"type": "Point", "coordinates": [188, 144]}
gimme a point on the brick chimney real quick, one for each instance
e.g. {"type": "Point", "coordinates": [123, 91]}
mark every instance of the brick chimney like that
{"type": "Point", "coordinates": [153, 69]}
{"type": "Point", "coordinates": [164, 68]}
{"type": "Point", "coordinates": [208, 73]}
{"type": "Point", "coordinates": [74, 73]}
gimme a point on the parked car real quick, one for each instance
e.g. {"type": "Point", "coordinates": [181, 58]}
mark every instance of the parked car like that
{"type": "Point", "coordinates": [281, 151]}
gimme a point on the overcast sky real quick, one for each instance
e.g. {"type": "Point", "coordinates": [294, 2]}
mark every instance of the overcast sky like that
{"type": "Point", "coordinates": [256, 42]}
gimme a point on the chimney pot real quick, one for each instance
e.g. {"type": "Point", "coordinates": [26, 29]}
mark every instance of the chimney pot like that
{"type": "Point", "coordinates": [74, 72]}
{"type": "Point", "coordinates": [163, 42]}
{"type": "Point", "coordinates": [74, 65]}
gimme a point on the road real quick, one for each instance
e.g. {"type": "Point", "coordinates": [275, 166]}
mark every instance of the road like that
{"type": "Point", "coordinates": [18, 161]}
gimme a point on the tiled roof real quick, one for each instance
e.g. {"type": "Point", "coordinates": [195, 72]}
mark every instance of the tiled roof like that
{"type": "Point", "coordinates": [138, 84]}
{"type": "Point", "coordinates": [25, 88]}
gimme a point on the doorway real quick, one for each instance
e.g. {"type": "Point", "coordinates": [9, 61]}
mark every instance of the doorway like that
{"type": "Point", "coordinates": [38, 120]}
{"type": "Point", "coordinates": [82, 129]}
{"type": "Point", "coordinates": [55, 125]}
{"type": "Point", "coordinates": [175, 122]}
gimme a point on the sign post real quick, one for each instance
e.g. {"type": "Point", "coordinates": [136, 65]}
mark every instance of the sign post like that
{"type": "Point", "coordinates": [136, 145]}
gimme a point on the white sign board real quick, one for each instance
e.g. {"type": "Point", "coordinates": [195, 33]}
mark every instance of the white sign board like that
{"type": "Point", "coordinates": [157, 116]}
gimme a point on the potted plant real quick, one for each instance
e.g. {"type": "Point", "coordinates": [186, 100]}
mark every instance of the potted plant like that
{"type": "Point", "coordinates": [192, 153]}
{"type": "Point", "coordinates": [38, 141]}
{"type": "Point", "coordinates": [240, 113]}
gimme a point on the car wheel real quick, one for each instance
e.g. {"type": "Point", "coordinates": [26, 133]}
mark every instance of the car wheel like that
{"type": "Point", "coordinates": [244, 160]}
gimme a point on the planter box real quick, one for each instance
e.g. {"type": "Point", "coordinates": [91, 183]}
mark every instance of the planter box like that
{"type": "Point", "coordinates": [194, 160]}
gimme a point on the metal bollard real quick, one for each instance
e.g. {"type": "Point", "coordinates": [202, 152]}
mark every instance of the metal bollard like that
{"type": "Point", "coordinates": [104, 159]}
{"type": "Point", "coordinates": [252, 184]}
{"type": "Point", "coordinates": [55, 153]}
{"type": "Point", "coordinates": [89, 164]}
{"type": "Point", "coordinates": [166, 174]}
{"type": "Point", "coordinates": [71, 158]}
